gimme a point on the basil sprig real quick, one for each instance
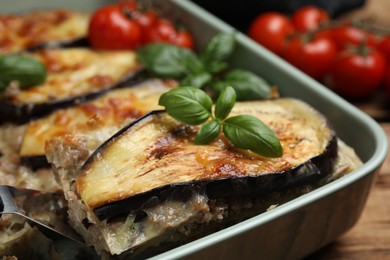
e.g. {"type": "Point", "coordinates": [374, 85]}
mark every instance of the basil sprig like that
{"type": "Point", "coordinates": [194, 107]}
{"type": "Point", "coordinates": [208, 70]}
{"type": "Point", "coordinates": [26, 71]}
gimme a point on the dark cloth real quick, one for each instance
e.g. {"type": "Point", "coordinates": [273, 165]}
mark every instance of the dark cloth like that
{"type": "Point", "coordinates": [240, 13]}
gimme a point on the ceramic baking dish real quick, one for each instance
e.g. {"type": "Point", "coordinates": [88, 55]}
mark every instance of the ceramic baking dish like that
{"type": "Point", "coordinates": [309, 222]}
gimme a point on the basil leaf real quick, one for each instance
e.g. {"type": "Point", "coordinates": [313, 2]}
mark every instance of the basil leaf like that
{"type": "Point", "coordinates": [225, 103]}
{"type": "Point", "coordinates": [208, 132]}
{"type": "Point", "coordinates": [189, 105]}
{"type": "Point", "coordinates": [216, 66]}
{"type": "Point", "coordinates": [248, 86]}
{"type": "Point", "coordinates": [192, 63]}
{"type": "Point", "coordinates": [28, 72]}
{"type": "Point", "coordinates": [169, 60]}
{"type": "Point", "coordinates": [248, 132]}
{"type": "Point", "coordinates": [196, 80]}
{"type": "Point", "coordinates": [217, 50]}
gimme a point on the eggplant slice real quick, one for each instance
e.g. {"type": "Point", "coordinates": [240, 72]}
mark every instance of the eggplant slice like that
{"type": "Point", "coordinates": [111, 109]}
{"type": "Point", "coordinates": [149, 185]}
{"type": "Point", "coordinates": [155, 156]}
{"type": "Point", "coordinates": [40, 29]}
{"type": "Point", "coordinates": [75, 75]}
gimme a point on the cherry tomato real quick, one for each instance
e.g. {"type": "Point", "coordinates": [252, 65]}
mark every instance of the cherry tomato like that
{"type": "Point", "coordinates": [184, 39]}
{"type": "Point", "coordinates": [347, 35]}
{"type": "Point", "coordinates": [309, 18]}
{"type": "Point", "coordinates": [129, 5]}
{"type": "Point", "coordinates": [271, 30]}
{"type": "Point", "coordinates": [357, 72]}
{"type": "Point", "coordinates": [387, 81]}
{"type": "Point", "coordinates": [313, 56]}
{"type": "Point", "coordinates": [164, 31]}
{"type": "Point", "coordinates": [384, 47]}
{"type": "Point", "coordinates": [110, 28]}
{"type": "Point", "coordinates": [145, 19]}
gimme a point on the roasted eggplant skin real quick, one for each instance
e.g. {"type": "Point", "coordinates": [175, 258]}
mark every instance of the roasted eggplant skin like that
{"type": "Point", "coordinates": [72, 43]}
{"type": "Point", "coordinates": [23, 113]}
{"type": "Point", "coordinates": [35, 162]}
{"type": "Point", "coordinates": [222, 188]}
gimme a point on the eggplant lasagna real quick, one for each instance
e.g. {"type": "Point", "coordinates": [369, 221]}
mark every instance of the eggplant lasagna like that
{"type": "Point", "coordinates": [149, 185]}
{"type": "Point", "coordinates": [133, 180]}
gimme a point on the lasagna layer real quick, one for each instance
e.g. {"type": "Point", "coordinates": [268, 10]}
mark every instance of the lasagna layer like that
{"type": "Point", "coordinates": [177, 214]}
{"type": "Point", "coordinates": [21, 32]}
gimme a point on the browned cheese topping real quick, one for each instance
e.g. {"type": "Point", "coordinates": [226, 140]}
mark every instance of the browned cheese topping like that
{"type": "Point", "coordinates": [19, 32]}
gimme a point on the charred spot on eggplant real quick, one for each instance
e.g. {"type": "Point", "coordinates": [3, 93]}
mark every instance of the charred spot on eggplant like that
{"type": "Point", "coordinates": [184, 131]}
{"type": "Point", "coordinates": [125, 175]}
{"type": "Point", "coordinates": [75, 75]}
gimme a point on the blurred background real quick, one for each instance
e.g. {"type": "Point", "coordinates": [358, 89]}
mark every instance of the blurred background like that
{"type": "Point", "coordinates": [241, 13]}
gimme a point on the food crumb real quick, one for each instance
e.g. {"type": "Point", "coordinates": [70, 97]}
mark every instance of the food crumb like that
{"type": "Point", "coordinates": [272, 207]}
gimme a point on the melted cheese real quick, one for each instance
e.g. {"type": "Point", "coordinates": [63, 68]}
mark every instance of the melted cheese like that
{"type": "Point", "coordinates": [19, 32]}
{"type": "Point", "coordinates": [77, 72]}
{"type": "Point", "coordinates": [111, 109]}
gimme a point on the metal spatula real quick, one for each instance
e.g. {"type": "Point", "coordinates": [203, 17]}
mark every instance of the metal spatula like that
{"type": "Point", "coordinates": [47, 211]}
{"type": "Point", "coordinates": [44, 210]}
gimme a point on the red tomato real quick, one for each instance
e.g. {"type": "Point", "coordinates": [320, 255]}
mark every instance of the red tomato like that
{"type": "Point", "coordinates": [345, 36]}
{"type": "Point", "coordinates": [384, 47]}
{"type": "Point", "coordinates": [309, 18]}
{"type": "Point", "coordinates": [184, 39]}
{"type": "Point", "coordinates": [129, 5]}
{"type": "Point", "coordinates": [387, 81]}
{"type": "Point", "coordinates": [144, 17]}
{"type": "Point", "coordinates": [313, 56]}
{"type": "Point", "coordinates": [164, 31]}
{"type": "Point", "coordinates": [358, 72]}
{"type": "Point", "coordinates": [146, 20]}
{"type": "Point", "coordinates": [110, 28]}
{"type": "Point", "coordinates": [271, 30]}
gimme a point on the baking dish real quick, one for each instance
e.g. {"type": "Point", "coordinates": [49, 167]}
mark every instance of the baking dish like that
{"type": "Point", "coordinates": [305, 224]}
